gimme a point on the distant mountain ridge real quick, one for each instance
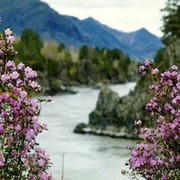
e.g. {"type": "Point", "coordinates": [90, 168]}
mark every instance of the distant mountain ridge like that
{"type": "Point", "coordinates": [21, 14]}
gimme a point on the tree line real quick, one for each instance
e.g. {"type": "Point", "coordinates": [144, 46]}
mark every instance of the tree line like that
{"type": "Point", "coordinates": [60, 67]}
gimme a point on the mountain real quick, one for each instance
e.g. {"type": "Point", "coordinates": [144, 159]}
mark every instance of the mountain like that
{"type": "Point", "coordinates": [21, 14]}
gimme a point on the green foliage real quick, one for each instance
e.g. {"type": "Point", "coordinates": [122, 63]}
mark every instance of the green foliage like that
{"type": "Point", "coordinates": [161, 59]}
{"type": "Point", "coordinates": [59, 66]}
{"type": "Point", "coordinates": [61, 47]}
{"type": "Point", "coordinates": [171, 27]}
{"type": "Point", "coordinates": [29, 49]}
{"type": "Point", "coordinates": [110, 65]}
{"type": "Point", "coordinates": [83, 53]}
{"type": "Point", "coordinates": [52, 68]}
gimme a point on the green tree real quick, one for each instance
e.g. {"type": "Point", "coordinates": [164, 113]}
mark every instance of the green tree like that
{"type": "Point", "coordinates": [171, 27]}
{"type": "Point", "coordinates": [61, 47]}
{"type": "Point", "coordinates": [171, 19]}
{"type": "Point", "coordinates": [161, 59]}
{"type": "Point", "coordinates": [83, 52]}
{"type": "Point", "coordinates": [29, 49]}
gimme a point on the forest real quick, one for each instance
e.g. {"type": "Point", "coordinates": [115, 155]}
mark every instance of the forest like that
{"type": "Point", "coordinates": [60, 67]}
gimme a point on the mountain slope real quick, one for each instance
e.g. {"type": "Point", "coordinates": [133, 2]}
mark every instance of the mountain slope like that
{"type": "Point", "coordinates": [20, 14]}
{"type": "Point", "coordinates": [40, 17]}
{"type": "Point", "coordinates": [141, 43]}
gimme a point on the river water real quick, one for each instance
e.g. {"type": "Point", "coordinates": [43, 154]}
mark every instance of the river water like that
{"type": "Point", "coordinates": [76, 156]}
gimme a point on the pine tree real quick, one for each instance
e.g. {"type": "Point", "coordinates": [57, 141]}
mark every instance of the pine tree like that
{"type": "Point", "coordinates": [171, 27]}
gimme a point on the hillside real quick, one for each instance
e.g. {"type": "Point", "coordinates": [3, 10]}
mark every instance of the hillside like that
{"type": "Point", "coordinates": [71, 31]}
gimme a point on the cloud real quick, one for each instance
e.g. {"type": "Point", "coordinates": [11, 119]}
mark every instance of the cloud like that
{"type": "Point", "coordinates": [107, 3]}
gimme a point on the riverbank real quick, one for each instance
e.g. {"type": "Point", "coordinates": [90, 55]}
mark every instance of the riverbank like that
{"type": "Point", "coordinates": [109, 131]}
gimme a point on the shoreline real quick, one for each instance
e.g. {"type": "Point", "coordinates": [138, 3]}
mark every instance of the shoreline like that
{"type": "Point", "coordinates": [108, 132]}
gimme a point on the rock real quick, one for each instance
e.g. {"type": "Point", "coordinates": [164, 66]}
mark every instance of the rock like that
{"type": "Point", "coordinates": [105, 107]}
{"type": "Point", "coordinates": [114, 116]}
{"type": "Point", "coordinates": [98, 85]}
{"type": "Point", "coordinates": [79, 128]}
{"type": "Point", "coordinates": [56, 86]}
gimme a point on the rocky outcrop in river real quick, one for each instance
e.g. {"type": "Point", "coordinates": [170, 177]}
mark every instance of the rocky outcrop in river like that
{"type": "Point", "coordinates": [114, 116]}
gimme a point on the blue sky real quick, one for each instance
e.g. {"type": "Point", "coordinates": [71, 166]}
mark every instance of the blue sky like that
{"type": "Point", "coordinates": [123, 15]}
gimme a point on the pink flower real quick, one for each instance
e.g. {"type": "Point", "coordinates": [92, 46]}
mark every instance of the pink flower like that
{"type": "Point", "coordinates": [151, 86]}
{"type": "Point", "coordinates": [9, 35]}
{"type": "Point", "coordinates": [44, 176]}
{"type": "Point", "coordinates": [41, 162]}
{"type": "Point", "coordinates": [147, 63]}
{"type": "Point", "coordinates": [19, 125]}
{"type": "Point", "coordinates": [13, 152]}
{"type": "Point", "coordinates": [174, 73]}
{"type": "Point", "coordinates": [174, 68]}
{"type": "Point", "coordinates": [142, 68]}
{"type": "Point", "coordinates": [164, 177]}
{"type": "Point", "coordinates": [1, 163]}
{"type": "Point", "coordinates": [1, 129]}
{"type": "Point", "coordinates": [166, 74]}
{"type": "Point", "coordinates": [10, 39]}
{"type": "Point", "coordinates": [176, 100]}
{"type": "Point", "coordinates": [178, 85]}
{"type": "Point", "coordinates": [20, 66]}
{"type": "Point", "coordinates": [49, 99]}
{"type": "Point", "coordinates": [8, 32]}
{"type": "Point", "coordinates": [19, 82]}
{"type": "Point", "coordinates": [11, 65]}
{"type": "Point", "coordinates": [23, 94]}
{"type": "Point", "coordinates": [30, 134]}
{"type": "Point", "coordinates": [1, 52]}
{"type": "Point", "coordinates": [5, 77]}
{"type": "Point", "coordinates": [155, 71]}
{"type": "Point", "coordinates": [29, 73]}
{"type": "Point", "coordinates": [34, 84]}
{"type": "Point", "coordinates": [137, 122]}
{"type": "Point", "coordinates": [18, 128]}
{"type": "Point", "coordinates": [14, 75]}
{"type": "Point", "coordinates": [153, 162]}
{"type": "Point", "coordinates": [178, 77]}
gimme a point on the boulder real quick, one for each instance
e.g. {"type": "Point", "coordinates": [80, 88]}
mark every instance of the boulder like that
{"type": "Point", "coordinates": [79, 128]}
{"type": "Point", "coordinates": [105, 108]}
{"type": "Point", "coordinates": [114, 116]}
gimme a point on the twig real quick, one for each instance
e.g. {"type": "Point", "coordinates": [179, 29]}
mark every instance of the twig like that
{"type": "Point", "coordinates": [62, 168]}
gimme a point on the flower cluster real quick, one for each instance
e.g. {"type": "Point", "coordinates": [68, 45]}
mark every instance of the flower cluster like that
{"type": "Point", "coordinates": [20, 154]}
{"type": "Point", "coordinates": [158, 156]}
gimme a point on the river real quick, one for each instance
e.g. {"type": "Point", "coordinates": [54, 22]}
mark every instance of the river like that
{"type": "Point", "coordinates": [76, 156]}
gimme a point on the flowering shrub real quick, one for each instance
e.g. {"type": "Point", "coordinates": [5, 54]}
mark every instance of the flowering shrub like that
{"type": "Point", "coordinates": [158, 155]}
{"type": "Point", "coordinates": [20, 154]}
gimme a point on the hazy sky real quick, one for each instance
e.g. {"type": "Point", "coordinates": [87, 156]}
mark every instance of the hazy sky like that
{"type": "Point", "coordinates": [123, 15]}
